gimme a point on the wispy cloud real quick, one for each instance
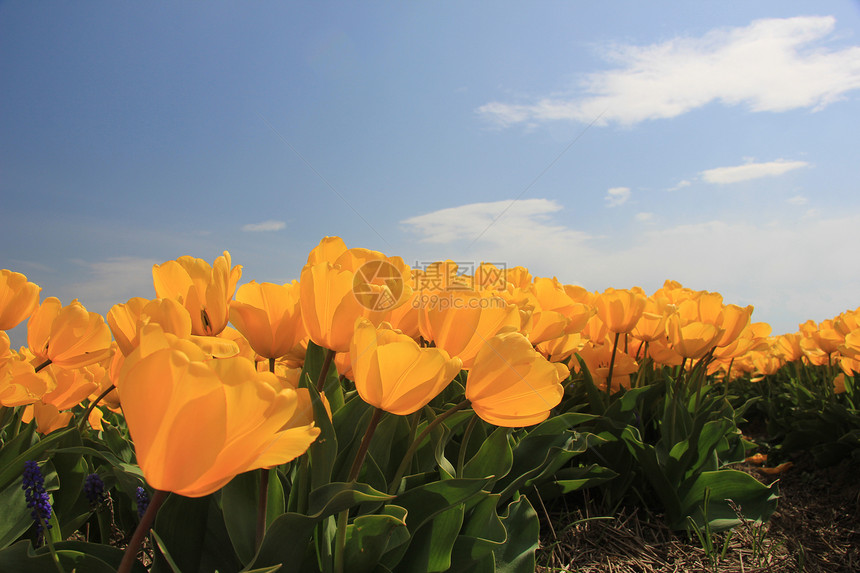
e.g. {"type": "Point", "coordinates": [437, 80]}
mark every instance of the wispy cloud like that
{"type": "Point", "coordinates": [469, 221]}
{"type": "Point", "coordinates": [798, 200]}
{"type": "Point", "coordinates": [771, 65]}
{"type": "Point", "coordinates": [109, 282]}
{"type": "Point", "coordinates": [616, 196]}
{"type": "Point", "coordinates": [738, 173]}
{"type": "Point", "coordinates": [265, 226]}
{"type": "Point", "coordinates": [642, 217]}
{"type": "Point", "coordinates": [744, 261]}
{"type": "Point", "coordinates": [680, 185]}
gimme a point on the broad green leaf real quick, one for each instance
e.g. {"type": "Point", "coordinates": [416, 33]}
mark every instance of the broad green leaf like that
{"type": "Point", "coordinates": [239, 504]}
{"type": "Point", "coordinates": [16, 515]}
{"type": "Point", "coordinates": [368, 535]}
{"type": "Point", "coordinates": [756, 500]}
{"type": "Point", "coordinates": [517, 554]}
{"type": "Point", "coordinates": [12, 467]}
{"type": "Point", "coordinates": [494, 458]}
{"type": "Point", "coordinates": [73, 555]}
{"type": "Point", "coordinates": [431, 544]}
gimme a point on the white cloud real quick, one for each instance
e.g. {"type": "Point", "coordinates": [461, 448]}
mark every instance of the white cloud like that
{"type": "Point", "coordinates": [680, 185]}
{"type": "Point", "coordinates": [770, 65]}
{"type": "Point", "coordinates": [777, 267]}
{"type": "Point", "coordinates": [269, 225]}
{"type": "Point", "coordinates": [738, 173]}
{"type": "Point", "coordinates": [616, 196]}
{"type": "Point", "coordinates": [109, 282]}
{"type": "Point", "coordinates": [644, 216]}
{"type": "Point", "coordinates": [484, 220]}
{"type": "Point", "coordinates": [798, 200]}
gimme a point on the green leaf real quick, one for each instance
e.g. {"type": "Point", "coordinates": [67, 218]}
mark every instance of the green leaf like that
{"type": "Point", "coordinates": [16, 518]}
{"type": "Point", "coordinates": [239, 505]}
{"type": "Point", "coordinates": [431, 544]}
{"type": "Point", "coordinates": [517, 555]}
{"type": "Point", "coordinates": [73, 555]}
{"type": "Point", "coordinates": [11, 467]}
{"type": "Point", "coordinates": [573, 479]}
{"type": "Point", "coordinates": [335, 497]}
{"type": "Point", "coordinates": [756, 500]}
{"type": "Point", "coordinates": [494, 458]}
{"type": "Point", "coordinates": [367, 538]}
{"type": "Point", "coordinates": [323, 452]}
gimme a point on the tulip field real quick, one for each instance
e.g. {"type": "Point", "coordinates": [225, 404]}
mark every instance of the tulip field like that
{"type": "Point", "coordinates": [371, 417]}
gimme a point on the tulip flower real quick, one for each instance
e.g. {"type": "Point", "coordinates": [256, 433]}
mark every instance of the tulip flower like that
{"type": "Point", "coordinates": [18, 298]}
{"type": "Point", "coordinates": [602, 363]}
{"type": "Point", "coordinates": [512, 385]}
{"type": "Point", "coordinates": [620, 310]}
{"type": "Point", "coordinates": [204, 290]}
{"type": "Point", "coordinates": [269, 317]}
{"type": "Point", "coordinates": [328, 250]}
{"type": "Point", "coordinates": [68, 336]}
{"type": "Point", "coordinates": [393, 373]}
{"type": "Point", "coordinates": [125, 320]}
{"type": "Point", "coordinates": [461, 321]}
{"type": "Point", "coordinates": [691, 340]}
{"type": "Point", "coordinates": [20, 385]}
{"type": "Point", "coordinates": [197, 423]}
{"type": "Point", "coordinates": [329, 305]}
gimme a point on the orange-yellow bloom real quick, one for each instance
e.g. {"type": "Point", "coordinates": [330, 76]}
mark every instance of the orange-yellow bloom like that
{"type": "Point", "coordinates": [18, 298]}
{"type": "Point", "coordinates": [68, 336]}
{"type": "Point", "coordinates": [125, 320]}
{"type": "Point", "coordinates": [269, 317]}
{"type": "Point", "coordinates": [693, 339]}
{"type": "Point", "coordinates": [620, 310]}
{"type": "Point", "coordinates": [511, 384]}
{"type": "Point", "coordinates": [204, 290]}
{"type": "Point", "coordinates": [329, 306]}
{"type": "Point", "coordinates": [393, 373]}
{"type": "Point", "coordinates": [197, 423]}
{"type": "Point", "coordinates": [460, 321]}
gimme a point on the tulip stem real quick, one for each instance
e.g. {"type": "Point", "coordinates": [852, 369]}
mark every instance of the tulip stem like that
{"type": "Point", "coordinates": [142, 530]}
{"type": "Point", "coordinates": [395, 483]}
{"type": "Point", "coordinates": [329, 356]}
{"type": "Point", "coordinates": [461, 458]}
{"type": "Point", "coordinates": [343, 516]}
{"type": "Point", "coordinates": [263, 494]}
{"type": "Point", "coordinates": [92, 407]}
{"type": "Point", "coordinates": [262, 503]}
{"type": "Point", "coordinates": [611, 366]}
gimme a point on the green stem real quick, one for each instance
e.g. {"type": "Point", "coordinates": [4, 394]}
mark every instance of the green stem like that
{"type": "Point", "coordinates": [407, 458]}
{"type": "Point", "coordinates": [50, 544]}
{"type": "Point", "coordinates": [329, 356]}
{"type": "Point", "coordinates": [612, 366]}
{"type": "Point", "coordinates": [142, 531]}
{"type": "Point", "coordinates": [263, 493]}
{"type": "Point", "coordinates": [464, 445]}
{"type": "Point", "coordinates": [92, 406]}
{"type": "Point", "coordinates": [343, 516]}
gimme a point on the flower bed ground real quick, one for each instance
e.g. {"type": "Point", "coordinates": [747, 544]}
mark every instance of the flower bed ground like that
{"type": "Point", "coordinates": [816, 528]}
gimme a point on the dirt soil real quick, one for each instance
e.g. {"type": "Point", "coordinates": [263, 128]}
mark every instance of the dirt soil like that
{"type": "Point", "coordinates": [816, 528]}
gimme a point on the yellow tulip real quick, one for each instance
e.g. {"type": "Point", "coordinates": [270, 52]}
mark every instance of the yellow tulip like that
{"type": "Point", "coordinates": [620, 310]}
{"type": "Point", "coordinates": [204, 290]}
{"type": "Point", "coordinates": [461, 321]}
{"type": "Point", "coordinates": [20, 385]}
{"type": "Point", "coordinates": [393, 373]}
{"type": "Point", "coordinates": [692, 339]}
{"type": "Point", "coordinates": [511, 384]}
{"type": "Point", "coordinates": [328, 250]}
{"type": "Point", "coordinates": [269, 317]}
{"type": "Point", "coordinates": [68, 336]}
{"type": "Point", "coordinates": [329, 306]}
{"type": "Point", "coordinates": [18, 298]}
{"type": "Point", "coordinates": [598, 357]}
{"type": "Point", "coordinates": [125, 320]}
{"type": "Point", "coordinates": [197, 423]}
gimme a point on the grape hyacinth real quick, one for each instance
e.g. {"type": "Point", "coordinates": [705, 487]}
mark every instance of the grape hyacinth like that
{"type": "Point", "coordinates": [36, 496]}
{"type": "Point", "coordinates": [94, 490]}
{"type": "Point", "coordinates": [142, 501]}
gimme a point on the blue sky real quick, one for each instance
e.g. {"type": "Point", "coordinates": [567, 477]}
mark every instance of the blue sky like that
{"type": "Point", "coordinates": [612, 144]}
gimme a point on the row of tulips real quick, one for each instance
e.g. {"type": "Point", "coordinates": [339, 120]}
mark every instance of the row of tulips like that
{"type": "Point", "coordinates": [372, 413]}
